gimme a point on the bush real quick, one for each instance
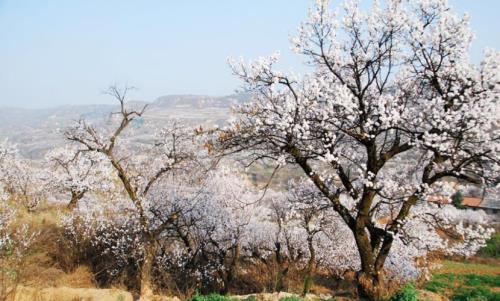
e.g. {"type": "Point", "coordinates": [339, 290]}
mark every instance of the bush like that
{"type": "Point", "coordinates": [475, 294]}
{"type": "Point", "coordinates": [211, 297]}
{"type": "Point", "coordinates": [407, 293]}
{"type": "Point", "coordinates": [492, 248]}
{"type": "Point", "coordinates": [457, 200]}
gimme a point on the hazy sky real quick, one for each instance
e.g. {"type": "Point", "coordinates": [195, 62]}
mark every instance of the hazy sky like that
{"type": "Point", "coordinates": [55, 52]}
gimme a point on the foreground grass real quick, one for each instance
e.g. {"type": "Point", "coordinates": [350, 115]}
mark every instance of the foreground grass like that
{"type": "Point", "coordinates": [440, 283]}
{"type": "Point", "coordinates": [463, 281]}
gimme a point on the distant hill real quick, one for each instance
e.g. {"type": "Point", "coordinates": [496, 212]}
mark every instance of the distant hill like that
{"type": "Point", "coordinates": [198, 102]}
{"type": "Point", "coordinates": [37, 130]}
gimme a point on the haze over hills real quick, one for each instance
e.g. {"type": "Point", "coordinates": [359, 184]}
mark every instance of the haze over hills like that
{"type": "Point", "coordinates": [37, 130]}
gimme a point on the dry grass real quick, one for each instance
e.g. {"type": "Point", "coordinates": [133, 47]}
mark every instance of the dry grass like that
{"type": "Point", "coordinates": [45, 265]}
{"type": "Point", "coordinates": [70, 294]}
{"type": "Point", "coordinates": [430, 296]}
{"type": "Point", "coordinates": [40, 276]}
{"type": "Point", "coordinates": [462, 268]}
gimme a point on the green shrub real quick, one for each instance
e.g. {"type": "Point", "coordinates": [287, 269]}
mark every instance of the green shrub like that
{"type": "Point", "coordinates": [211, 297]}
{"type": "Point", "coordinates": [475, 294]}
{"type": "Point", "coordinates": [457, 200]}
{"type": "Point", "coordinates": [492, 248]}
{"type": "Point", "coordinates": [407, 293]}
{"type": "Point", "coordinates": [250, 298]}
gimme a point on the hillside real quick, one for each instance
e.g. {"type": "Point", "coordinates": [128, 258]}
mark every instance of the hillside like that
{"type": "Point", "coordinates": [36, 130]}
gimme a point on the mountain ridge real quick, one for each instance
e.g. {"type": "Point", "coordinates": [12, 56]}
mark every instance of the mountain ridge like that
{"type": "Point", "coordinates": [36, 130]}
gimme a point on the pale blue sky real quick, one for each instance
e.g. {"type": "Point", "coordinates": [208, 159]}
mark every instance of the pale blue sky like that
{"type": "Point", "coordinates": [55, 52]}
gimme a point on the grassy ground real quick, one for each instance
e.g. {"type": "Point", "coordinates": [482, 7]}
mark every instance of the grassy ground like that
{"type": "Point", "coordinates": [477, 279]}
{"type": "Point", "coordinates": [467, 281]}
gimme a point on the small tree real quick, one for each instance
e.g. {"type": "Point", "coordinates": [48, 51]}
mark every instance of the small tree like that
{"type": "Point", "coordinates": [77, 172]}
{"type": "Point", "coordinates": [199, 248]}
{"type": "Point", "coordinates": [314, 214]}
{"type": "Point", "coordinates": [15, 242]}
{"type": "Point", "coordinates": [139, 170]}
{"type": "Point", "coordinates": [457, 200]}
{"type": "Point", "coordinates": [20, 177]}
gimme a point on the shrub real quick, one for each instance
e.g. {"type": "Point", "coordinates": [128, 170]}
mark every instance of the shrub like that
{"type": "Point", "coordinates": [492, 248]}
{"type": "Point", "coordinates": [407, 293]}
{"type": "Point", "coordinates": [457, 200]}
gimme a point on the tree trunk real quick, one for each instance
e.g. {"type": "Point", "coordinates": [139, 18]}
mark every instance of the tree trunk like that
{"type": "Point", "coordinates": [282, 269]}
{"type": "Point", "coordinates": [147, 268]}
{"type": "Point", "coordinates": [311, 265]}
{"type": "Point", "coordinates": [371, 286]}
{"type": "Point", "coordinates": [233, 269]}
{"type": "Point", "coordinates": [370, 278]}
{"type": "Point", "coordinates": [75, 197]}
{"type": "Point", "coordinates": [280, 279]}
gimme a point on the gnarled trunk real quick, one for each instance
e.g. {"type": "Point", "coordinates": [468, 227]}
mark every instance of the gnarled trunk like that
{"type": "Point", "coordinates": [371, 282]}
{"type": "Point", "coordinates": [371, 286]}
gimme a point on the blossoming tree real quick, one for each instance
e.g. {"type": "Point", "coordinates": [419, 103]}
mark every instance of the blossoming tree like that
{"type": "Point", "coordinates": [21, 178]}
{"type": "Point", "coordinates": [15, 243]}
{"type": "Point", "coordinates": [199, 248]}
{"type": "Point", "coordinates": [392, 109]}
{"type": "Point", "coordinates": [77, 172]}
{"type": "Point", "coordinates": [139, 169]}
